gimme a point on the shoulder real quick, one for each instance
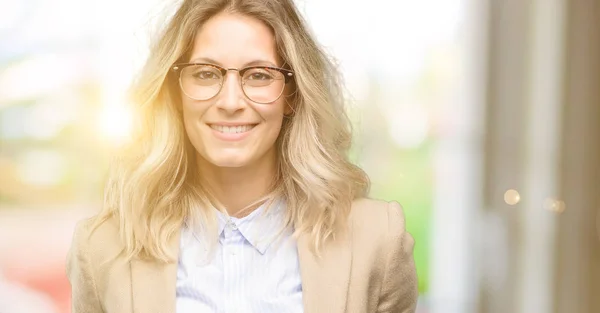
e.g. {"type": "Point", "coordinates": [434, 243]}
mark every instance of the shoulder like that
{"type": "Point", "coordinates": [97, 242]}
{"type": "Point", "coordinates": [91, 267]}
{"type": "Point", "coordinates": [378, 226]}
{"type": "Point", "coordinates": [379, 233]}
{"type": "Point", "coordinates": [377, 216]}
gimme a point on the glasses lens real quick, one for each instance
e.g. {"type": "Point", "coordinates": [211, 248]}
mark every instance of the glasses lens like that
{"type": "Point", "coordinates": [201, 82]}
{"type": "Point", "coordinates": [263, 85]}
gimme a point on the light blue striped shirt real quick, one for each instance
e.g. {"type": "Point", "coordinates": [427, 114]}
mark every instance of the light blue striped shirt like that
{"type": "Point", "coordinates": [252, 270]}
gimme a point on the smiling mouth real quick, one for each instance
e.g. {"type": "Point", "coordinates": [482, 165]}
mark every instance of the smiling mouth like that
{"type": "Point", "coordinates": [232, 129]}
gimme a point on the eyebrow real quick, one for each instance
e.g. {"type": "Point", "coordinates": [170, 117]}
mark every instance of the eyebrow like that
{"type": "Point", "coordinates": [251, 63]}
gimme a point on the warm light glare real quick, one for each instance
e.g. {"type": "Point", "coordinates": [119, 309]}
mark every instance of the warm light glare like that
{"type": "Point", "coordinates": [512, 197]}
{"type": "Point", "coordinates": [115, 123]}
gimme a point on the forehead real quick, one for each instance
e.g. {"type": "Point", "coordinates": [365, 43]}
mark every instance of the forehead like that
{"type": "Point", "coordinates": [234, 40]}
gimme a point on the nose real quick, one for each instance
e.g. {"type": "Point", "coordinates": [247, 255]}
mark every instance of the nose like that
{"type": "Point", "coordinates": [231, 98]}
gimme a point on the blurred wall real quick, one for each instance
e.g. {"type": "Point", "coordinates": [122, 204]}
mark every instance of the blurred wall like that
{"type": "Point", "coordinates": [578, 238]}
{"type": "Point", "coordinates": [540, 247]}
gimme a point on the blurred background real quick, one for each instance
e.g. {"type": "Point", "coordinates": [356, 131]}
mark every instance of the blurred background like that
{"type": "Point", "coordinates": [481, 117]}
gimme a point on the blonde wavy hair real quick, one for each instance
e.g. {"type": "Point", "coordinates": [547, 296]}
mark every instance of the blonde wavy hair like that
{"type": "Point", "coordinates": [154, 185]}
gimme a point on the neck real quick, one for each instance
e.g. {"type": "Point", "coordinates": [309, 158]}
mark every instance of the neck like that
{"type": "Point", "coordinates": [238, 187]}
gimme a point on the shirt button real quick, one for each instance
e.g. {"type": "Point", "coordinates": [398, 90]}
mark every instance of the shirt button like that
{"type": "Point", "coordinates": [232, 225]}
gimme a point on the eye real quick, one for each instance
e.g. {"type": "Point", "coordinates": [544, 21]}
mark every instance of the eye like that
{"type": "Point", "coordinates": [205, 75]}
{"type": "Point", "coordinates": [259, 74]}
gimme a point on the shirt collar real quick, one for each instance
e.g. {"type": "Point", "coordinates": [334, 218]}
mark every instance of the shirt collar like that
{"type": "Point", "coordinates": [261, 227]}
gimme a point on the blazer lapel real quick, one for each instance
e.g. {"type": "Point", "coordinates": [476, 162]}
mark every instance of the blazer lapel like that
{"type": "Point", "coordinates": [153, 284]}
{"type": "Point", "coordinates": [325, 280]}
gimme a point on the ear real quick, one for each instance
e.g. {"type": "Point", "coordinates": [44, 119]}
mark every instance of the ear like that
{"type": "Point", "coordinates": [290, 101]}
{"type": "Point", "coordinates": [288, 109]}
{"type": "Point", "coordinates": [175, 94]}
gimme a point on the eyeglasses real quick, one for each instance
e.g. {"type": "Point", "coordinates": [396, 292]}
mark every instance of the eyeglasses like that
{"type": "Point", "coordinates": [260, 84]}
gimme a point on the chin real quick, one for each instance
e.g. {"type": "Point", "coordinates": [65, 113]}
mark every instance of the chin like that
{"type": "Point", "coordinates": [228, 160]}
{"type": "Point", "coordinates": [229, 164]}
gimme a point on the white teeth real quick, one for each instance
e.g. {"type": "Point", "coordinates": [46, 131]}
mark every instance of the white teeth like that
{"type": "Point", "coordinates": [232, 129]}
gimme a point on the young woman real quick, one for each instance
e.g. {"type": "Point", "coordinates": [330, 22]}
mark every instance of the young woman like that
{"type": "Point", "coordinates": [236, 193]}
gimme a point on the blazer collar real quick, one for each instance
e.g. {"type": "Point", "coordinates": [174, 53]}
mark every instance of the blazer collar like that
{"type": "Point", "coordinates": [325, 280]}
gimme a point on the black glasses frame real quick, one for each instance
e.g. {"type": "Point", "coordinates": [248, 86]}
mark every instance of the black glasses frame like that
{"type": "Point", "coordinates": [287, 75]}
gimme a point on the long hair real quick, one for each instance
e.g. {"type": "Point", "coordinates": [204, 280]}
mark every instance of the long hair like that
{"type": "Point", "coordinates": [154, 184]}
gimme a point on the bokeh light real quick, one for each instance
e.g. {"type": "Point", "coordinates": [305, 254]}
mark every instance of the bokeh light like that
{"type": "Point", "coordinates": [512, 197]}
{"type": "Point", "coordinates": [554, 205]}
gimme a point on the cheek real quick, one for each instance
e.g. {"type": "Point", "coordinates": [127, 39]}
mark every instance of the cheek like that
{"type": "Point", "coordinates": [193, 110]}
{"type": "Point", "coordinates": [192, 117]}
{"type": "Point", "coordinates": [189, 107]}
{"type": "Point", "coordinates": [272, 116]}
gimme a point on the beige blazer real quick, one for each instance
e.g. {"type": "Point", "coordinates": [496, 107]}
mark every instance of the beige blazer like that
{"type": "Point", "coordinates": [370, 269]}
